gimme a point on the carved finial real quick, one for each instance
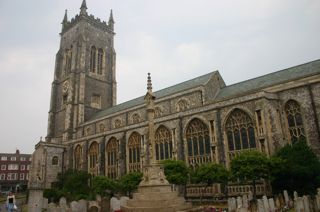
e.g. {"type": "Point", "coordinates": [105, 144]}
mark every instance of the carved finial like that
{"type": "Point", "coordinates": [149, 84]}
{"type": "Point", "coordinates": [65, 18]}
{"type": "Point", "coordinates": [111, 21]}
{"type": "Point", "coordinates": [83, 8]}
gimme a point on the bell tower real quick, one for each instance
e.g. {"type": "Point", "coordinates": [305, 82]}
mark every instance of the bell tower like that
{"type": "Point", "coordinates": [84, 77]}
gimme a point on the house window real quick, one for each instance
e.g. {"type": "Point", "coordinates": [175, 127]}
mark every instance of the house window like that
{"type": "Point", "coordinates": [22, 159]}
{"type": "Point", "coordinates": [163, 141]}
{"type": "Point", "coordinates": [93, 158]}
{"type": "Point", "coordinates": [21, 176]}
{"type": "Point", "coordinates": [240, 132]}
{"type": "Point", "coordinates": [27, 176]}
{"type": "Point", "coordinates": [134, 152]}
{"type": "Point", "coordinates": [198, 142]}
{"type": "Point", "coordinates": [2, 176]}
{"type": "Point", "coordinates": [295, 121]}
{"type": "Point", "coordinates": [96, 101]}
{"type": "Point", "coordinates": [78, 157]}
{"type": "Point", "coordinates": [13, 158]}
{"type": "Point", "coordinates": [28, 167]}
{"type": "Point", "coordinates": [3, 167]}
{"type": "Point", "coordinates": [4, 158]}
{"type": "Point", "coordinates": [112, 158]}
{"type": "Point", "coordinates": [13, 167]}
{"type": "Point", "coordinates": [22, 167]}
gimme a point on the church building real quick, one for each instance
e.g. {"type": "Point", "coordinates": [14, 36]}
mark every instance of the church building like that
{"type": "Point", "coordinates": [198, 121]}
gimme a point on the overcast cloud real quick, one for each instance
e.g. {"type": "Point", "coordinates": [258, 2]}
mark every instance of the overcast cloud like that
{"type": "Point", "coordinates": [175, 40]}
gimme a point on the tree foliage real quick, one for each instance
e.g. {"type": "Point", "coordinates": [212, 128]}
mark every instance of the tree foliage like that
{"type": "Point", "coordinates": [104, 186]}
{"type": "Point", "coordinates": [211, 173]}
{"type": "Point", "coordinates": [296, 168]}
{"type": "Point", "coordinates": [251, 166]}
{"type": "Point", "coordinates": [176, 171]}
{"type": "Point", "coordinates": [129, 182]}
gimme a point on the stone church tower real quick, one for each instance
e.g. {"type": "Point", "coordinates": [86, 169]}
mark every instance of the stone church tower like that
{"type": "Point", "coordinates": [84, 78]}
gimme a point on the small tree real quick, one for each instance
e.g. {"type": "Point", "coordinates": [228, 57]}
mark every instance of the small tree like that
{"type": "Point", "coordinates": [104, 186]}
{"type": "Point", "coordinates": [129, 182]}
{"type": "Point", "coordinates": [211, 173]}
{"type": "Point", "coordinates": [296, 168]}
{"type": "Point", "coordinates": [251, 166]}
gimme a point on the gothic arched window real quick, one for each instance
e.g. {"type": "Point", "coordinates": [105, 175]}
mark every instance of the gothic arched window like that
{"type": "Point", "coordinates": [68, 60]}
{"type": "Point", "coordinates": [198, 142]}
{"type": "Point", "coordinates": [93, 158]}
{"type": "Point", "coordinates": [295, 121]}
{"type": "Point", "coordinates": [134, 152]}
{"type": "Point", "coordinates": [78, 157]}
{"type": "Point", "coordinates": [163, 141]}
{"type": "Point", "coordinates": [100, 61]}
{"type": "Point", "coordinates": [93, 59]}
{"type": "Point", "coordinates": [112, 157]}
{"type": "Point", "coordinates": [240, 131]}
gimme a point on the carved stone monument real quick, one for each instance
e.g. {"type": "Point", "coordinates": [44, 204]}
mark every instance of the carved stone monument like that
{"type": "Point", "coordinates": [154, 192]}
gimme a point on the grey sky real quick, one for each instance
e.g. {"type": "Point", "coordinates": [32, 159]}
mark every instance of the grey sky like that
{"type": "Point", "coordinates": [175, 40]}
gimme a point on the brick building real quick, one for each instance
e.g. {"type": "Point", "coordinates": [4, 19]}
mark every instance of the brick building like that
{"type": "Point", "coordinates": [14, 171]}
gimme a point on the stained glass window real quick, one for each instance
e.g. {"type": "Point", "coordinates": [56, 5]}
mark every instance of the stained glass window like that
{"type": "Point", "coordinates": [163, 142]}
{"type": "Point", "coordinates": [198, 142]}
{"type": "Point", "coordinates": [77, 157]}
{"type": "Point", "coordinates": [295, 121]}
{"type": "Point", "coordinates": [112, 156]}
{"type": "Point", "coordinates": [134, 152]}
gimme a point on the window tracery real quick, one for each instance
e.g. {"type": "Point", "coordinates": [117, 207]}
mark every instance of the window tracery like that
{"type": "Point", "coordinates": [134, 152]}
{"type": "Point", "coordinates": [295, 121]}
{"type": "Point", "coordinates": [117, 123]}
{"type": "Point", "coordinates": [112, 158]}
{"type": "Point", "coordinates": [182, 105]}
{"type": "Point", "coordinates": [93, 158]}
{"type": "Point", "coordinates": [198, 142]}
{"type": "Point", "coordinates": [100, 61]}
{"type": "Point", "coordinates": [240, 132]}
{"type": "Point", "coordinates": [78, 157]}
{"type": "Point", "coordinates": [135, 118]}
{"type": "Point", "coordinates": [163, 141]}
{"type": "Point", "coordinates": [93, 59]}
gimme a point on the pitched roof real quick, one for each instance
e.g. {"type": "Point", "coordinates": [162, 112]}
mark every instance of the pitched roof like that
{"type": "Point", "coordinates": [193, 83]}
{"type": "Point", "coordinates": [296, 72]}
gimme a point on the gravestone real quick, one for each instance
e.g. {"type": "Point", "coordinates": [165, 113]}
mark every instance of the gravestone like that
{"type": "Point", "coordinates": [63, 202]}
{"type": "Point", "coordinates": [82, 205]}
{"type": "Point", "coordinates": [123, 200]}
{"type": "Point", "coordinates": [272, 205]}
{"type": "Point", "coordinates": [265, 203]}
{"type": "Point", "coordinates": [114, 204]}
{"type": "Point", "coordinates": [306, 203]}
{"type": "Point", "coordinates": [295, 195]}
{"type": "Point", "coordinates": [105, 204]}
{"type": "Point", "coordinates": [239, 202]}
{"type": "Point", "coordinates": [74, 206]}
{"type": "Point", "coordinates": [286, 197]}
{"type": "Point", "coordinates": [245, 202]}
{"type": "Point", "coordinates": [232, 205]}
{"type": "Point", "coordinates": [260, 205]}
{"type": "Point", "coordinates": [298, 204]}
{"type": "Point", "coordinates": [317, 200]}
{"type": "Point", "coordinates": [250, 195]}
{"type": "Point", "coordinates": [277, 202]}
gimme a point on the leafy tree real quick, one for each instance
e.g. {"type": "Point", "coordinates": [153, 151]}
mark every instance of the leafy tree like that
{"type": "Point", "coordinates": [72, 184]}
{"type": "Point", "coordinates": [129, 182]}
{"type": "Point", "coordinates": [295, 168]}
{"type": "Point", "coordinates": [104, 186]}
{"type": "Point", "coordinates": [176, 171]}
{"type": "Point", "coordinates": [251, 166]}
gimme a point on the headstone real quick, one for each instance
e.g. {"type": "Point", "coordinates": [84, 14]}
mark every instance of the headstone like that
{"type": "Point", "coordinates": [295, 195]}
{"type": "Point", "coordinates": [245, 202]}
{"type": "Point", "coordinates": [265, 203]}
{"type": "Point", "coordinates": [82, 205]}
{"type": "Point", "coordinates": [105, 204]}
{"type": "Point", "coordinates": [123, 200]}
{"type": "Point", "coordinates": [282, 203]}
{"type": "Point", "coordinates": [242, 209]}
{"type": "Point", "coordinates": [114, 204]}
{"type": "Point", "coordinates": [306, 204]}
{"type": "Point", "coordinates": [286, 197]}
{"type": "Point", "coordinates": [62, 202]}
{"type": "Point", "coordinates": [272, 205]}
{"type": "Point", "coordinates": [232, 205]}
{"type": "Point", "coordinates": [74, 206]}
{"type": "Point", "coordinates": [260, 206]}
{"type": "Point", "coordinates": [317, 201]}
{"type": "Point", "coordinates": [298, 204]}
{"type": "Point", "coordinates": [45, 203]}
{"type": "Point", "coordinates": [98, 198]}
{"type": "Point", "coordinates": [239, 202]}
{"type": "Point", "coordinates": [277, 202]}
{"type": "Point", "coordinates": [250, 196]}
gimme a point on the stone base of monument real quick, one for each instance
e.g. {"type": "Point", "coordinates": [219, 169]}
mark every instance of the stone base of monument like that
{"type": "Point", "coordinates": [155, 194]}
